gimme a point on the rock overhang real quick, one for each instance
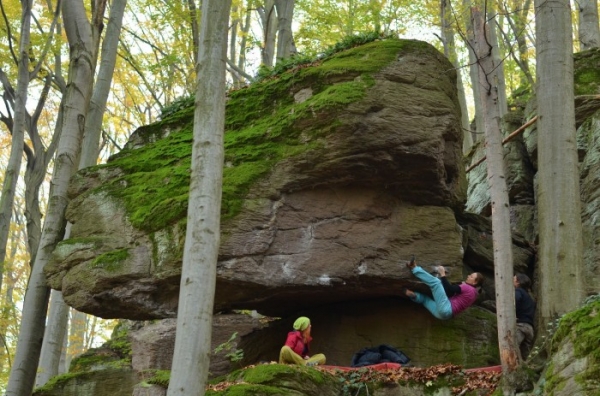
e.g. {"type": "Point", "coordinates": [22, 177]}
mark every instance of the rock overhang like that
{"type": "Point", "coordinates": [373, 150]}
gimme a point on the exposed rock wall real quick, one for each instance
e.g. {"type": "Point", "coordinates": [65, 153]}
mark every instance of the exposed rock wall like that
{"type": "Point", "coordinates": [521, 159]}
{"type": "Point", "coordinates": [335, 175]}
{"type": "Point", "coordinates": [377, 178]}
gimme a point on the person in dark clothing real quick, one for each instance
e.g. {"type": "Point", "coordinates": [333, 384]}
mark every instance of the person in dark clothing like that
{"type": "Point", "coordinates": [525, 310]}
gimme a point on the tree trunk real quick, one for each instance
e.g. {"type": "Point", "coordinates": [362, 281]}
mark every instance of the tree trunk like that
{"type": "Point", "coordinates": [285, 39]}
{"type": "Point", "coordinates": [76, 341]}
{"type": "Point", "coordinates": [59, 311]}
{"type": "Point", "coordinates": [269, 25]}
{"type": "Point", "coordinates": [194, 25]}
{"type": "Point", "coordinates": [93, 121]}
{"type": "Point", "coordinates": [517, 17]}
{"type": "Point", "coordinates": [8, 306]}
{"type": "Point", "coordinates": [501, 230]}
{"type": "Point", "coordinates": [474, 75]}
{"type": "Point", "coordinates": [559, 210]}
{"type": "Point", "coordinates": [198, 276]}
{"type": "Point", "coordinates": [450, 52]}
{"type": "Point", "coordinates": [589, 32]}
{"type": "Point", "coordinates": [491, 20]}
{"type": "Point", "coordinates": [81, 70]}
{"type": "Point", "coordinates": [375, 8]}
{"type": "Point", "coordinates": [13, 167]}
{"type": "Point", "coordinates": [53, 339]}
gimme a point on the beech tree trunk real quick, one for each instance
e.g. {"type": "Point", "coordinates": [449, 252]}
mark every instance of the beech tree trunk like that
{"type": "Point", "coordinates": [80, 35]}
{"type": "Point", "coordinates": [560, 249]}
{"type": "Point", "coordinates": [285, 39]}
{"type": "Point", "coordinates": [517, 17]}
{"type": "Point", "coordinates": [501, 230]}
{"type": "Point", "coordinates": [13, 167]}
{"type": "Point", "coordinates": [589, 31]}
{"type": "Point", "coordinates": [269, 26]}
{"type": "Point", "coordinates": [59, 312]}
{"type": "Point", "coordinates": [492, 37]}
{"type": "Point", "coordinates": [199, 270]}
{"type": "Point", "coordinates": [93, 121]}
{"type": "Point", "coordinates": [474, 75]}
{"type": "Point", "coordinates": [54, 336]}
{"type": "Point", "coordinates": [447, 33]}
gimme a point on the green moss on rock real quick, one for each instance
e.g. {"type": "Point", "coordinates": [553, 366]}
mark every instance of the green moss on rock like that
{"type": "Point", "coordinates": [264, 126]}
{"type": "Point", "coordinates": [158, 377]}
{"type": "Point", "coordinates": [115, 353]}
{"type": "Point", "coordinates": [277, 379]}
{"type": "Point", "coordinates": [582, 328]}
{"type": "Point", "coordinates": [110, 261]}
{"type": "Point", "coordinates": [587, 72]}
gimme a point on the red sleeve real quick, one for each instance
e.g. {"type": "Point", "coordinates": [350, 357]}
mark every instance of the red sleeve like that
{"type": "Point", "coordinates": [291, 340]}
{"type": "Point", "coordinates": [294, 341]}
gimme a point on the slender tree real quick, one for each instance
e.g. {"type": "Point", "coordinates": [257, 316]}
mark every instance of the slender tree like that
{"type": "Point", "coordinates": [447, 37]}
{"type": "Point", "coordinates": [268, 20]}
{"type": "Point", "coordinates": [58, 317]}
{"type": "Point", "coordinates": [198, 275]}
{"type": "Point", "coordinates": [501, 230]}
{"type": "Point", "coordinates": [560, 250]}
{"type": "Point", "coordinates": [13, 168]}
{"type": "Point", "coordinates": [468, 37]}
{"type": "Point", "coordinates": [517, 15]}
{"type": "Point", "coordinates": [59, 311]}
{"type": "Point", "coordinates": [285, 39]}
{"type": "Point", "coordinates": [589, 31]}
{"type": "Point", "coordinates": [81, 35]}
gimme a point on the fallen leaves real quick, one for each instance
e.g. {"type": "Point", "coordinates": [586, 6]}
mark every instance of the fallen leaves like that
{"type": "Point", "coordinates": [452, 375]}
{"type": "Point", "coordinates": [459, 381]}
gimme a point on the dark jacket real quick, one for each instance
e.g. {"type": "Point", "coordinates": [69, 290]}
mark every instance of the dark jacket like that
{"type": "Point", "coordinates": [379, 354]}
{"type": "Point", "coordinates": [524, 306]}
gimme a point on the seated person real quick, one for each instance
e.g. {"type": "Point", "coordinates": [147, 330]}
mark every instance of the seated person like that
{"type": "Point", "coordinates": [442, 307]}
{"type": "Point", "coordinates": [296, 348]}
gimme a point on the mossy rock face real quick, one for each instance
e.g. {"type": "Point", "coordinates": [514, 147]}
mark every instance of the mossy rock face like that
{"type": "Point", "coordinates": [590, 202]}
{"type": "Point", "coordinates": [102, 371]}
{"type": "Point", "coordinates": [334, 172]}
{"type": "Point", "coordinates": [109, 382]}
{"type": "Point", "coordinates": [276, 379]}
{"type": "Point", "coordinates": [574, 368]}
{"type": "Point", "coordinates": [587, 72]}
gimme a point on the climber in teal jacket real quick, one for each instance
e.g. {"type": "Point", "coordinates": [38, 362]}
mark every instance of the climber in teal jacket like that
{"type": "Point", "coordinates": [441, 306]}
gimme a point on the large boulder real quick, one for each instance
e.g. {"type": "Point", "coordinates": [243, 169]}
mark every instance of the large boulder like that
{"type": "Point", "coordinates": [335, 175]}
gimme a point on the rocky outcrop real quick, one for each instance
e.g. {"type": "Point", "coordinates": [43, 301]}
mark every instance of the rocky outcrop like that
{"type": "Point", "coordinates": [574, 366]}
{"type": "Point", "coordinates": [334, 176]}
{"type": "Point", "coordinates": [521, 158]}
{"type": "Point", "coordinates": [102, 371]}
{"type": "Point", "coordinates": [370, 174]}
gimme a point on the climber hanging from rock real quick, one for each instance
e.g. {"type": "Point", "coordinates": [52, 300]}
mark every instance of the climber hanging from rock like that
{"type": "Point", "coordinates": [441, 306]}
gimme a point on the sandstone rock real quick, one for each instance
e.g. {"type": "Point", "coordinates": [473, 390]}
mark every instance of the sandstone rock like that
{"type": "Point", "coordinates": [152, 346]}
{"type": "Point", "coordinates": [376, 178]}
{"type": "Point", "coordinates": [109, 382]}
{"type": "Point", "coordinates": [572, 369]}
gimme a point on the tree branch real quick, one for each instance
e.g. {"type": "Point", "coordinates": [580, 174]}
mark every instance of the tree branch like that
{"type": "Point", "coordinates": [505, 140]}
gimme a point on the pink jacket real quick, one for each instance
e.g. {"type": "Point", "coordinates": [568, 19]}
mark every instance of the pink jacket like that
{"type": "Point", "coordinates": [462, 301]}
{"type": "Point", "coordinates": [296, 343]}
